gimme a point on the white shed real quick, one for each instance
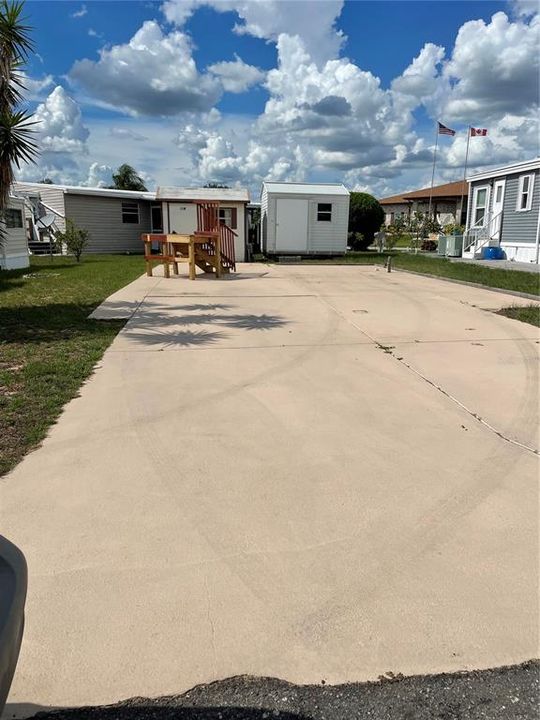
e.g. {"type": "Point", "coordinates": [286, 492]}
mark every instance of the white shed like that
{"type": "Point", "coordinates": [304, 218]}
{"type": "Point", "coordinates": [14, 250]}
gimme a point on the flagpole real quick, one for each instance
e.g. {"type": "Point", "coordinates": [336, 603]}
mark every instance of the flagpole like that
{"type": "Point", "coordinates": [464, 176]}
{"type": "Point", "coordinates": [433, 169]}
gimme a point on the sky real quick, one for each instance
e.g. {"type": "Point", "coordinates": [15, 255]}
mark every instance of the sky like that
{"type": "Point", "coordinates": [238, 91]}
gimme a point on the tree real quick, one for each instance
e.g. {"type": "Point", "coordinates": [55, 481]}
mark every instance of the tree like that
{"type": "Point", "coordinates": [16, 143]}
{"type": "Point", "coordinates": [46, 181]}
{"type": "Point", "coordinates": [215, 185]}
{"type": "Point", "coordinates": [74, 239]}
{"type": "Point", "coordinates": [127, 178]}
{"type": "Point", "coordinates": [365, 217]}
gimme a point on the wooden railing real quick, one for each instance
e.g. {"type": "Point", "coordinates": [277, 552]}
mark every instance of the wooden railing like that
{"type": "Point", "coordinates": [227, 236]}
{"type": "Point", "coordinates": [207, 218]}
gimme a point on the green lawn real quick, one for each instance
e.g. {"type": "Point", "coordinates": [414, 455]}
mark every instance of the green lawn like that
{"type": "Point", "coordinates": [526, 282]}
{"type": "Point", "coordinates": [528, 313]}
{"type": "Point", "coordinates": [48, 347]}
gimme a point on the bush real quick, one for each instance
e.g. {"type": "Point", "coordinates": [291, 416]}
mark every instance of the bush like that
{"type": "Point", "coordinates": [429, 246]}
{"type": "Point", "coordinates": [355, 241]}
{"type": "Point", "coordinates": [365, 217]}
{"type": "Point", "coordinates": [453, 229]}
{"type": "Point", "coordinates": [74, 239]}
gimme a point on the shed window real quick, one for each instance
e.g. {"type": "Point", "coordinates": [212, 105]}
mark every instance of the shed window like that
{"type": "Point", "coordinates": [525, 193]}
{"type": "Point", "coordinates": [228, 216]}
{"type": "Point", "coordinates": [324, 212]}
{"type": "Point", "coordinates": [13, 218]}
{"type": "Point", "coordinates": [130, 212]}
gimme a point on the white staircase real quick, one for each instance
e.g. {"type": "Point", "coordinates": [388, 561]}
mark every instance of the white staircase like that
{"type": "Point", "coordinates": [485, 233]}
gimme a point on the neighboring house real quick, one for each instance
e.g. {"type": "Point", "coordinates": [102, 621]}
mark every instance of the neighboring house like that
{"type": "Point", "coordinates": [505, 212]}
{"type": "Point", "coordinates": [14, 246]}
{"type": "Point", "coordinates": [178, 209]}
{"type": "Point", "coordinates": [304, 218]}
{"type": "Point", "coordinates": [115, 219]}
{"type": "Point", "coordinates": [448, 203]}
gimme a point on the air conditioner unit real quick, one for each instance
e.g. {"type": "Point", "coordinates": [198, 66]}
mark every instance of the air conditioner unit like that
{"type": "Point", "coordinates": [454, 245]}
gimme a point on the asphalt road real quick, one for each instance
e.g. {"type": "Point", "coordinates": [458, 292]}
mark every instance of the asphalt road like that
{"type": "Point", "coordinates": [508, 693]}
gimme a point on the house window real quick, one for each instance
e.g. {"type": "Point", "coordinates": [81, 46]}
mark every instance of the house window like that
{"type": "Point", "coordinates": [480, 205]}
{"type": "Point", "coordinates": [525, 193]}
{"type": "Point", "coordinates": [13, 218]}
{"type": "Point", "coordinates": [130, 212]}
{"type": "Point", "coordinates": [227, 216]}
{"type": "Point", "coordinates": [324, 212]}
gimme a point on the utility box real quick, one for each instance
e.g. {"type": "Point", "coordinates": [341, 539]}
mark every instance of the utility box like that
{"type": "Point", "coordinates": [304, 218]}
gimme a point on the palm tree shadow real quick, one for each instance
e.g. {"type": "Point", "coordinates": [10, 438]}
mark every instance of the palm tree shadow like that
{"type": "Point", "coordinates": [254, 322]}
{"type": "Point", "coordinates": [179, 338]}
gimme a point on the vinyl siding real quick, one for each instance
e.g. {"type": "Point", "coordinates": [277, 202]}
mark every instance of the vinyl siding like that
{"type": "Point", "coordinates": [323, 237]}
{"type": "Point", "coordinates": [14, 253]}
{"type": "Point", "coordinates": [102, 217]}
{"type": "Point", "coordinates": [53, 197]}
{"type": "Point", "coordinates": [520, 227]}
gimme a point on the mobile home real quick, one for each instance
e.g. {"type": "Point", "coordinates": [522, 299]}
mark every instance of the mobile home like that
{"type": "Point", "coordinates": [304, 218]}
{"type": "Point", "coordinates": [504, 212]}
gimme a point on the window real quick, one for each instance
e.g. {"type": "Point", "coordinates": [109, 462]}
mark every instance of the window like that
{"type": "Point", "coordinates": [525, 193]}
{"type": "Point", "coordinates": [324, 212]}
{"type": "Point", "coordinates": [13, 217]}
{"type": "Point", "coordinates": [480, 205]}
{"type": "Point", "coordinates": [227, 216]}
{"type": "Point", "coordinates": [130, 212]}
{"type": "Point", "coordinates": [157, 219]}
{"type": "Point", "coordinates": [498, 194]}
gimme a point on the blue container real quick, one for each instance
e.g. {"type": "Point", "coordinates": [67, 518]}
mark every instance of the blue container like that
{"type": "Point", "coordinates": [492, 253]}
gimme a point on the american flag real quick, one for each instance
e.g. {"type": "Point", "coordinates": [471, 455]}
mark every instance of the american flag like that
{"type": "Point", "coordinates": [443, 130]}
{"type": "Point", "coordinates": [478, 131]}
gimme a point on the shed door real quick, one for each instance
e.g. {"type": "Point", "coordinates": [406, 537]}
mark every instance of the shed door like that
{"type": "Point", "coordinates": [291, 225]}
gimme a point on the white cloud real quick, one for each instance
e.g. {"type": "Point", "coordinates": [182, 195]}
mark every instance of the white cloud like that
{"type": "Point", "coordinates": [237, 76]}
{"type": "Point", "coordinates": [268, 19]}
{"type": "Point", "coordinates": [494, 69]}
{"type": "Point", "coordinates": [153, 74]}
{"type": "Point", "coordinates": [98, 175]}
{"type": "Point", "coordinates": [35, 87]}
{"type": "Point", "coordinates": [126, 134]}
{"type": "Point", "coordinates": [60, 125]}
{"type": "Point", "coordinates": [80, 13]}
{"type": "Point", "coordinates": [94, 33]}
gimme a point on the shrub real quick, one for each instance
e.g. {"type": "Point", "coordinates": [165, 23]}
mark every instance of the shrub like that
{"type": "Point", "coordinates": [429, 246]}
{"type": "Point", "coordinates": [355, 241]}
{"type": "Point", "coordinates": [365, 217]}
{"type": "Point", "coordinates": [453, 229]}
{"type": "Point", "coordinates": [74, 239]}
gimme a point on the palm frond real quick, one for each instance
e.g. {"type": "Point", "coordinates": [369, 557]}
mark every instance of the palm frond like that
{"type": "Point", "coordinates": [15, 40]}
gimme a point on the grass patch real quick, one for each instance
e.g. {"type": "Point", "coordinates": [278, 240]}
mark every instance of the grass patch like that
{"type": "Point", "coordinates": [48, 346]}
{"type": "Point", "coordinates": [516, 280]}
{"type": "Point", "coordinates": [526, 313]}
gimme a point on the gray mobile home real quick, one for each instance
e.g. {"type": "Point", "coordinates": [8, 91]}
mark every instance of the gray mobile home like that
{"type": "Point", "coordinates": [304, 218]}
{"type": "Point", "coordinates": [504, 212]}
{"type": "Point", "coordinates": [115, 219]}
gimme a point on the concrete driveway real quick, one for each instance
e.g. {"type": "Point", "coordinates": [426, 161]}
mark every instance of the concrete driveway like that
{"type": "Point", "coordinates": [310, 472]}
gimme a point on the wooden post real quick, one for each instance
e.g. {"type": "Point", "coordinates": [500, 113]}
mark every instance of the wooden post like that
{"type": "Point", "coordinates": [218, 256]}
{"type": "Point", "coordinates": [192, 270]}
{"type": "Point", "coordinates": [148, 251]}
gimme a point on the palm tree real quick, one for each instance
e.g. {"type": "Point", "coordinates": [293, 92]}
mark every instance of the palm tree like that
{"type": "Point", "coordinates": [16, 143]}
{"type": "Point", "coordinates": [127, 178]}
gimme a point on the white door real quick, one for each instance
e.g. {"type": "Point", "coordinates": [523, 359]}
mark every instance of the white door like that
{"type": "Point", "coordinates": [496, 210]}
{"type": "Point", "coordinates": [291, 225]}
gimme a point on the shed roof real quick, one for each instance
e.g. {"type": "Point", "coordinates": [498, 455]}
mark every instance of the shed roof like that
{"type": "Point", "coordinates": [285, 188]}
{"type": "Point", "coordinates": [453, 190]}
{"type": "Point", "coordinates": [198, 193]}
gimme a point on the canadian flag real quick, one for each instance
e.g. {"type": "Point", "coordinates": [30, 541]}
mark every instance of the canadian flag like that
{"type": "Point", "coordinates": [478, 131]}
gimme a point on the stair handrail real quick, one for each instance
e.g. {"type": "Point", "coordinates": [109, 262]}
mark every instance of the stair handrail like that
{"type": "Point", "coordinates": [481, 230]}
{"type": "Point", "coordinates": [227, 236]}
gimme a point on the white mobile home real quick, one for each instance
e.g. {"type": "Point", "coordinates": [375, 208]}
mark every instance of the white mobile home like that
{"type": "Point", "coordinates": [304, 218]}
{"type": "Point", "coordinates": [14, 246]}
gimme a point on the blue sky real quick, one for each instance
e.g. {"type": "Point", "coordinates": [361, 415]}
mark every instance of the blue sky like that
{"type": "Point", "coordinates": [191, 91]}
